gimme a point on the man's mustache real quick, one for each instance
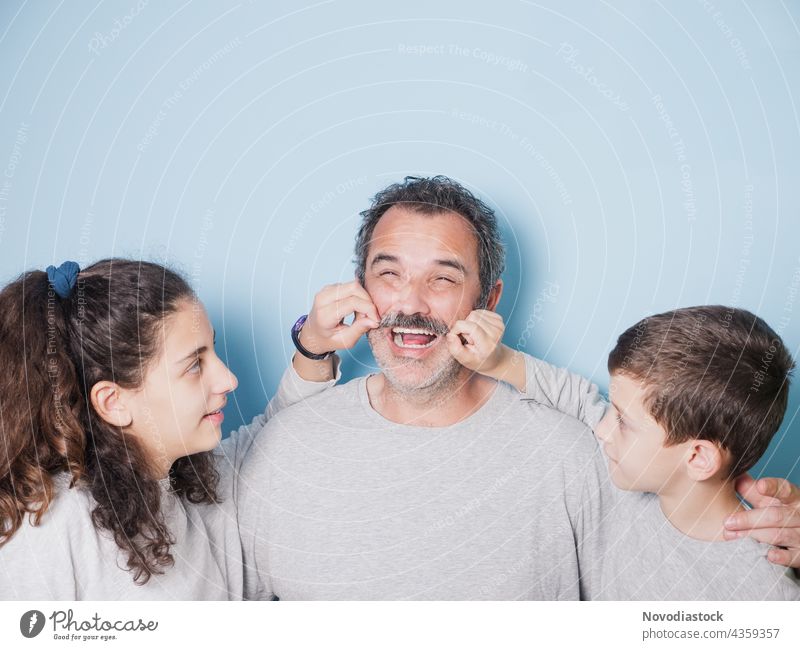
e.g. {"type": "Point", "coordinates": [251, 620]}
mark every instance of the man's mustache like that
{"type": "Point", "coordinates": [414, 321]}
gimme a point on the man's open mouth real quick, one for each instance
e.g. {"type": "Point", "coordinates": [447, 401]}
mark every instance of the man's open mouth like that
{"type": "Point", "coordinates": [407, 337]}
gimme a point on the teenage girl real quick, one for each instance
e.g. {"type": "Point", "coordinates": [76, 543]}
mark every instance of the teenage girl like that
{"type": "Point", "coordinates": [112, 483]}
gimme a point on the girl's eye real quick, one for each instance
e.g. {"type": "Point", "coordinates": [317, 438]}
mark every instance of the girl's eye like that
{"type": "Point", "coordinates": [195, 367]}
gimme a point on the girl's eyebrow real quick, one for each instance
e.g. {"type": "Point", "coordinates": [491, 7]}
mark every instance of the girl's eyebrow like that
{"type": "Point", "coordinates": [193, 355]}
{"type": "Point", "coordinates": [198, 351]}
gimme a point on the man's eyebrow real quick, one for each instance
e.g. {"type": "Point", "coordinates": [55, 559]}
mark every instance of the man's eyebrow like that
{"type": "Point", "coordinates": [453, 264]}
{"type": "Point", "coordinates": [450, 263]}
{"type": "Point", "coordinates": [384, 257]}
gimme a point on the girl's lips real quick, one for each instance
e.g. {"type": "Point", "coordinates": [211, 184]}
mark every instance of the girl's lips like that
{"type": "Point", "coordinates": [215, 418]}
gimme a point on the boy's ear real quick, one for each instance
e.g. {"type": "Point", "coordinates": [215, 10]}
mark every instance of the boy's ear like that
{"type": "Point", "coordinates": [106, 397]}
{"type": "Point", "coordinates": [704, 460]}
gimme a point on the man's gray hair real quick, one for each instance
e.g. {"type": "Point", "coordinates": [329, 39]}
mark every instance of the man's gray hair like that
{"type": "Point", "coordinates": [431, 196]}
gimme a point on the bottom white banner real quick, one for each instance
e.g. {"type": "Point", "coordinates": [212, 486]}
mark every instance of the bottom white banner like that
{"type": "Point", "coordinates": [372, 625]}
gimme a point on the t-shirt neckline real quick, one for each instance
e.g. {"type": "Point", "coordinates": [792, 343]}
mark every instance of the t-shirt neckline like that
{"type": "Point", "coordinates": [486, 409]}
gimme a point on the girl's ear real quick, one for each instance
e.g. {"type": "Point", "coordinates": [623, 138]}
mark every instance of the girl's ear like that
{"type": "Point", "coordinates": [106, 397]}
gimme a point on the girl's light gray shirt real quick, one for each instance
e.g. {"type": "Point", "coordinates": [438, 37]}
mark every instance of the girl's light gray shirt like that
{"type": "Point", "coordinates": [67, 558]}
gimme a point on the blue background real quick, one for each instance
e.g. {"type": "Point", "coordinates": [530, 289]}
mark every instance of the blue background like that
{"type": "Point", "coordinates": [641, 156]}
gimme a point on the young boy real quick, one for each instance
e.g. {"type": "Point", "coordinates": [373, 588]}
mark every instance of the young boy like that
{"type": "Point", "coordinates": [696, 396]}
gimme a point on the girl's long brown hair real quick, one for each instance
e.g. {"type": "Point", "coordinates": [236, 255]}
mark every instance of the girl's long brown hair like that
{"type": "Point", "coordinates": [52, 351]}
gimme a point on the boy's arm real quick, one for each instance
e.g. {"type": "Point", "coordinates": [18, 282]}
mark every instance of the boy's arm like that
{"type": "Point", "coordinates": [561, 389]}
{"type": "Point", "coordinates": [476, 343]}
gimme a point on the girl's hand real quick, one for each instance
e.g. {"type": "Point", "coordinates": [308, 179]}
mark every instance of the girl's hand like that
{"type": "Point", "coordinates": [325, 329]}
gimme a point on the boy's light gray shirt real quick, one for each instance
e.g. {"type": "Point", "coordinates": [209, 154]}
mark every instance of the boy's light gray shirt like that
{"type": "Point", "coordinates": [642, 555]}
{"type": "Point", "coordinates": [337, 502]}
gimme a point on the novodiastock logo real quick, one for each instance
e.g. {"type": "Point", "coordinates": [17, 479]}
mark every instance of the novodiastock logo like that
{"type": "Point", "coordinates": [31, 623]}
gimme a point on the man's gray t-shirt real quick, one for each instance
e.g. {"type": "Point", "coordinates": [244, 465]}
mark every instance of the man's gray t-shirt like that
{"type": "Point", "coordinates": [337, 502]}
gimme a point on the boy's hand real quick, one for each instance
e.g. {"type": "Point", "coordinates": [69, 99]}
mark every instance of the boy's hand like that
{"type": "Point", "coordinates": [774, 519]}
{"type": "Point", "coordinates": [476, 342]}
{"type": "Point", "coordinates": [325, 329]}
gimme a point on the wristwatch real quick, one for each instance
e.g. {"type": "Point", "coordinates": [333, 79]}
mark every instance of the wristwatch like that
{"type": "Point", "coordinates": [296, 340]}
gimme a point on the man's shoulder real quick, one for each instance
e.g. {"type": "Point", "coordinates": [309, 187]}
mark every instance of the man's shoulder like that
{"type": "Point", "coordinates": [558, 429]}
{"type": "Point", "coordinates": [320, 407]}
{"type": "Point", "coordinates": [289, 430]}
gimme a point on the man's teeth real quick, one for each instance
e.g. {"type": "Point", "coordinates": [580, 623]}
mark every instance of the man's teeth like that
{"type": "Point", "coordinates": [398, 337]}
{"type": "Point", "coordinates": [406, 330]}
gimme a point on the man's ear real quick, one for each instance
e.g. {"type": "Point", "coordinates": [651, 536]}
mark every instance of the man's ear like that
{"type": "Point", "coordinates": [494, 295]}
{"type": "Point", "coordinates": [705, 460]}
{"type": "Point", "coordinates": [106, 397]}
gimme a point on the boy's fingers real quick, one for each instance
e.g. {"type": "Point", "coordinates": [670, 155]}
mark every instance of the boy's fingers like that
{"type": "Point", "coordinates": [470, 329]}
{"type": "Point", "coordinates": [456, 348]}
{"type": "Point", "coordinates": [490, 321]}
{"type": "Point", "coordinates": [490, 318]}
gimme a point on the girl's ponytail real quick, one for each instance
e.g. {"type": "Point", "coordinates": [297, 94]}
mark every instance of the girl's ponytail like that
{"type": "Point", "coordinates": [41, 402]}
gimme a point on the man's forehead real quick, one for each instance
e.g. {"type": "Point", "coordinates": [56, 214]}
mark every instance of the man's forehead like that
{"type": "Point", "coordinates": [402, 232]}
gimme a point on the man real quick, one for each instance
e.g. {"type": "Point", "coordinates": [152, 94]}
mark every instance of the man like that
{"type": "Point", "coordinates": [426, 480]}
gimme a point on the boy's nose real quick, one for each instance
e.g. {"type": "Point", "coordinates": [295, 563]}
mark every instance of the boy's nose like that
{"type": "Point", "coordinates": [602, 430]}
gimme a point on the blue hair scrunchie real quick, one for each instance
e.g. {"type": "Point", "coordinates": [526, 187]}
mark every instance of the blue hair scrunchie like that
{"type": "Point", "coordinates": [63, 278]}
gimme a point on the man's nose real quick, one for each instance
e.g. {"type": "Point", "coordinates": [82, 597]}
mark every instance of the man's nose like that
{"type": "Point", "coordinates": [410, 299]}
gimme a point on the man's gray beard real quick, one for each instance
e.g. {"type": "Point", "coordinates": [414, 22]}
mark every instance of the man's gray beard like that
{"type": "Point", "coordinates": [438, 388]}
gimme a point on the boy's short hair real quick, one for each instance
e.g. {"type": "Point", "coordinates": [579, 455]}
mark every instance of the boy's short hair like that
{"type": "Point", "coordinates": [713, 373]}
